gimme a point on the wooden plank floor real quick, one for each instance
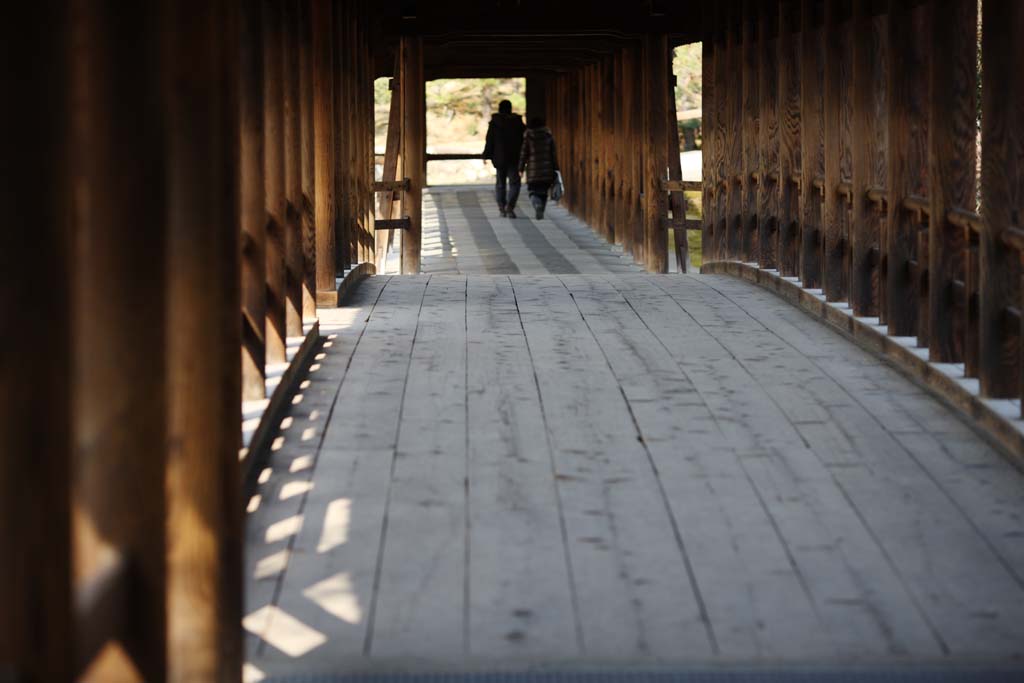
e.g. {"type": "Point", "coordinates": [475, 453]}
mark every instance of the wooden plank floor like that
{"type": "Point", "coordinates": [493, 471]}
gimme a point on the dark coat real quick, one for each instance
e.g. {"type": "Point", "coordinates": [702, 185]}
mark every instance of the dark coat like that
{"type": "Point", "coordinates": [538, 156]}
{"type": "Point", "coordinates": [504, 138]}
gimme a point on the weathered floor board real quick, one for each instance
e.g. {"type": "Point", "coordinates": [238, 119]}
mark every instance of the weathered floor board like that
{"type": "Point", "coordinates": [503, 471]}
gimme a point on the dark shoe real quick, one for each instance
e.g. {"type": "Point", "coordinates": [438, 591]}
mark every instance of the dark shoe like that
{"type": "Point", "coordinates": [540, 214]}
{"type": "Point", "coordinates": [501, 209]}
{"type": "Point", "coordinates": [511, 213]}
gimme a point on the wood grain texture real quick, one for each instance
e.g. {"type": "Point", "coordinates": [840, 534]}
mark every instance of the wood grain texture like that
{"type": "Point", "coordinates": [834, 213]}
{"type": "Point", "coordinates": [811, 143]}
{"type": "Point", "coordinates": [1002, 196]}
{"type": "Point", "coordinates": [35, 368]}
{"type": "Point", "coordinates": [413, 147]}
{"type": "Point", "coordinates": [274, 191]}
{"type": "Point", "coordinates": [323, 145]}
{"type": "Point", "coordinates": [768, 137]}
{"type": "Point", "coordinates": [789, 136]}
{"type": "Point", "coordinates": [294, 271]}
{"type": "Point", "coordinates": [749, 136]}
{"type": "Point", "coordinates": [655, 119]}
{"type": "Point", "coordinates": [308, 159]}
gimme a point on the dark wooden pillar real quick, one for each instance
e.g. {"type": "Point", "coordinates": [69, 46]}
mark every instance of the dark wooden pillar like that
{"type": "Point", "coordinates": [204, 522]}
{"type": "Point", "coordinates": [768, 137]}
{"type": "Point", "coordinates": [323, 151]}
{"type": "Point", "coordinates": [732, 146]}
{"type": "Point", "coordinates": [35, 403]}
{"type": "Point", "coordinates": [273, 177]}
{"type": "Point", "coordinates": [1002, 193]}
{"type": "Point", "coordinates": [708, 108]}
{"type": "Point", "coordinates": [908, 158]}
{"type": "Point", "coordinates": [790, 150]}
{"type": "Point", "coordinates": [292, 170]}
{"type": "Point", "coordinates": [119, 375]}
{"type": "Point", "coordinates": [869, 166]}
{"type": "Point", "coordinates": [252, 213]}
{"type": "Point", "coordinates": [952, 152]}
{"type": "Point", "coordinates": [812, 144]}
{"type": "Point", "coordinates": [343, 138]}
{"type": "Point", "coordinates": [413, 146]}
{"type": "Point", "coordinates": [308, 157]}
{"type": "Point", "coordinates": [834, 204]}
{"type": "Point", "coordinates": [656, 93]}
{"type": "Point", "coordinates": [750, 152]}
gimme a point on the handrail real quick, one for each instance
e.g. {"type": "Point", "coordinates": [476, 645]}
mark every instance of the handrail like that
{"type": "Point", "coordinates": [964, 219]}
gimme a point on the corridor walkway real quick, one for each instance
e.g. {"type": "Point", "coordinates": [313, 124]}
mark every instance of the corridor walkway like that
{"type": "Point", "coordinates": [603, 468]}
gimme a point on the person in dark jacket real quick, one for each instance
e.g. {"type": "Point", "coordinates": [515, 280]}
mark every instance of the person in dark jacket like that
{"type": "Point", "coordinates": [504, 139]}
{"type": "Point", "coordinates": [539, 160]}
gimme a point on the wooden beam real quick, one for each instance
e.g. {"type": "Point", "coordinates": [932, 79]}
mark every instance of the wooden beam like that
{"type": "Point", "coordinates": [413, 146]}
{"type": "Point", "coordinates": [907, 98]}
{"type": "Point", "coordinates": [1002, 194]}
{"type": "Point", "coordinates": [292, 170]}
{"type": "Point", "coordinates": [273, 178]}
{"type": "Point", "coordinates": [655, 118]}
{"type": "Point", "coordinates": [790, 98]}
{"type": "Point", "coordinates": [835, 223]}
{"type": "Point", "coordinates": [768, 136]}
{"type": "Point", "coordinates": [307, 107]}
{"type": "Point", "coordinates": [36, 272]}
{"type": "Point", "coordinates": [812, 145]}
{"type": "Point", "coordinates": [952, 153]}
{"type": "Point", "coordinates": [204, 508]}
{"type": "Point", "coordinates": [118, 382]}
{"type": "Point", "coordinates": [252, 214]}
{"type": "Point", "coordinates": [868, 156]}
{"type": "Point", "coordinates": [323, 144]}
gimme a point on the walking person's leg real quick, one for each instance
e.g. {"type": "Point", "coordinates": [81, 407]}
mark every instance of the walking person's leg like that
{"type": "Point", "coordinates": [539, 197]}
{"type": "Point", "coordinates": [514, 185]}
{"type": "Point", "coordinates": [501, 177]}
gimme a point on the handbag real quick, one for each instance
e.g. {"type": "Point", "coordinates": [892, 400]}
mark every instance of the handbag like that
{"type": "Point", "coordinates": [557, 189]}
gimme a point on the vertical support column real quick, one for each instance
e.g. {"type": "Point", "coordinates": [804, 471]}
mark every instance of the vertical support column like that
{"type": "Point", "coordinates": [733, 134]}
{"type": "Point", "coordinates": [621, 152]}
{"type": "Point", "coordinates": [343, 137]}
{"type": "Point", "coordinates": [952, 85]}
{"type": "Point", "coordinates": [677, 199]}
{"type": "Point", "coordinates": [834, 221]}
{"type": "Point", "coordinates": [908, 158]}
{"type": "Point", "coordinates": [708, 98]}
{"type": "Point", "coordinates": [750, 167]}
{"type": "Point", "coordinates": [868, 156]}
{"type": "Point", "coordinates": [768, 138]}
{"type": "Point", "coordinates": [252, 215]}
{"type": "Point", "coordinates": [323, 150]}
{"type": "Point", "coordinates": [308, 156]}
{"type": "Point", "coordinates": [119, 293]}
{"type": "Point", "coordinates": [413, 146]}
{"type": "Point", "coordinates": [812, 154]}
{"type": "Point", "coordinates": [35, 404]}
{"type": "Point", "coordinates": [722, 124]}
{"type": "Point", "coordinates": [790, 97]}
{"type": "Point", "coordinates": [1002, 193]}
{"type": "Point", "coordinates": [204, 520]}
{"type": "Point", "coordinates": [656, 93]}
{"type": "Point", "coordinates": [273, 178]}
{"type": "Point", "coordinates": [292, 170]}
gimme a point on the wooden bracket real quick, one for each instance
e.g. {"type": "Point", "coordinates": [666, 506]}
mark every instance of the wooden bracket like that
{"type": "Point", "coordinates": [392, 224]}
{"type": "Point", "coordinates": [681, 185]}
{"type": "Point", "coordinates": [391, 185]}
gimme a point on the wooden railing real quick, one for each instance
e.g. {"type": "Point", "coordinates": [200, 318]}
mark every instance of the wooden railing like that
{"type": "Point", "coordinates": [892, 228]}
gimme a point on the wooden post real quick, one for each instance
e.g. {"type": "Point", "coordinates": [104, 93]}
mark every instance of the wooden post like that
{"type": "Point", "coordinates": [868, 156]}
{"type": "Point", "coordinates": [732, 146]}
{"type": "Point", "coordinates": [292, 170]}
{"type": "Point", "coordinates": [308, 156]}
{"type": "Point", "coordinates": [750, 154]}
{"type": "Point", "coordinates": [343, 109]}
{"type": "Point", "coordinates": [708, 108]}
{"type": "Point", "coordinates": [204, 556]}
{"type": "Point", "coordinates": [118, 380]}
{"type": "Point", "coordinates": [952, 152]}
{"type": "Point", "coordinates": [273, 178]}
{"type": "Point", "coordinates": [252, 214]}
{"type": "Point", "coordinates": [768, 138]}
{"type": "Point", "coordinates": [323, 151]}
{"type": "Point", "coordinates": [677, 199]}
{"type": "Point", "coordinates": [1002, 193]}
{"type": "Point", "coordinates": [656, 93]}
{"type": "Point", "coordinates": [834, 213]}
{"type": "Point", "coordinates": [811, 142]}
{"type": "Point", "coordinates": [413, 146]}
{"type": "Point", "coordinates": [790, 152]}
{"type": "Point", "coordinates": [35, 404]}
{"type": "Point", "coordinates": [387, 199]}
{"type": "Point", "coordinates": [908, 158]}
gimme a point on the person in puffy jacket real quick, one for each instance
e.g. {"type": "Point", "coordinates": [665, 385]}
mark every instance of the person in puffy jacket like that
{"type": "Point", "coordinates": [504, 139]}
{"type": "Point", "coordinates": [539, 160]}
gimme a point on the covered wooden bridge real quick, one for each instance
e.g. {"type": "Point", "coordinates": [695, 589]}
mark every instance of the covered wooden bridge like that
{"type": "Point", "coordinates": [230, 449]}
